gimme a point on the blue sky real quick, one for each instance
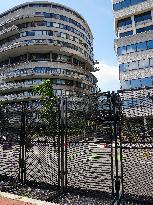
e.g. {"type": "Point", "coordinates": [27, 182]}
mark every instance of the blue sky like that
{"type": "Point", "coordinates": [99, 16]}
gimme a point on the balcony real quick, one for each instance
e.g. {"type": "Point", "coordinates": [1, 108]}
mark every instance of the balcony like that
{"type": "Point", "coordinates": [41, 44]}
{"type": "Point", "coordinates": [18, 19]}
{"type": "Point", "coordinates": [8, 31]}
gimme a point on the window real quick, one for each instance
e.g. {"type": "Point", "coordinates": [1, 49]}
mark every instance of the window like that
{"type": "Point", "coordinates": [148, 28]}
{"type": "Point", "coordinates": [46, 15]}
{"type": "Point", "coordinates": [126, 3]}
{"type": "Point", "coordinates": [49, 24]}
{"type": "Point", "coordinates": [63, 35]}
{"type": "Point", "coordinates": [54, 56]}
{"type": "Point", "coordinates": [38, 13]}
{"type": "Point", "coordinates": [58, 92]}
{"type": "Point", "coordinates": [150, 44]}
{"type": "Point", "coordinates": [122, 50]}
{"type": "Point", "coordinates": [56, 25]}
{"type": "Point", "coordinates": [30, 33]}
{"type": "Point", "coordinates": [38, 33]}
{"type": "Point", "coordinates": [136, 83]}
{"type": "Point", "coordinates": [56, 16]}
{"type": "Point", "coordinates": [151, 61]}
{"type": "Point", "coordinates": [146, 82]}
{"type": "Point", "coordinates": [141, 46]}
{"type": "Point", "coordinates": [124, 22]}
{"type": "Point", "coordinates": [40, 56]}
{"type": "Point", "coordinates": [56, 33]}
{"type": "Point", "coordinates": [131, 48]}
{"type": "Point", "coordinates": [125, 84]}
{"type": "Point", "coordinates": [67, 92]}
{"type": "Point", "coordinates": [144, 63]}
{"type": "Point", "coordinates": [75, 61]}
{"type": "Point", "coordinates": [40, 23]}
{"type": "Point", "coordinates": [62, 26]}
{"type": "Point", "coordinates": [68, 28]}
{"type": "Point", "coordinates": [122, 68]}
{"type": "Point", "coordinates": [69, 82]}
{"type": "Point", "coordinates": [133, 65]}
{"type": "Point", "coordinates": [128, 33]}
{"type": "Point", "coordinates": [34, 5]}
{"type": "Point", "coordinates": [143, 17]}
{"type": "Point", "coordinates": [117, 6]}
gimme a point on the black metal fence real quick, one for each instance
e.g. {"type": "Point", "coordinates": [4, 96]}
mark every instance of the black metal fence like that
{"type": "Point", "coordinates": [76, 155]}
{"type": "Point", "coordinates": [100, 144]}
{"type": "Point", "coordinates": [136, 147]}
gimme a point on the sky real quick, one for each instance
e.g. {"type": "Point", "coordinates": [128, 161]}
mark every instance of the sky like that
{"type": "Point", "coordinates": [99, 15]}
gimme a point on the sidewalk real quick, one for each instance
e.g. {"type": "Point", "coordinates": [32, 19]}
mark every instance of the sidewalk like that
{"type": "Point", "coordinates": [6, 201]}
{"type": "Point", "coordinates": [11, 199]}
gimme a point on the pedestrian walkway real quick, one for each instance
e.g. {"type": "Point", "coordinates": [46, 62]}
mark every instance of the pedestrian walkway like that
{"type": "Point", "coordinates": [11, 199]}
{"type": "Point", "coordinates": [6, 201]}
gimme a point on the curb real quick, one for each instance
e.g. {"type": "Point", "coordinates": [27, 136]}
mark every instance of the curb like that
{"type": "Point", "coordinates": [25, 199]}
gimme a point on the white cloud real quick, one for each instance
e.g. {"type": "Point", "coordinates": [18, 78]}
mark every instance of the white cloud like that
{"type": "Point", "coordinates": [108, 77]}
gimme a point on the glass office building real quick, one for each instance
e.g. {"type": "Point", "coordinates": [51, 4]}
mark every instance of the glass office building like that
{"type": "Point", "coordinates": [134, 46]}
{"type": "Point", "coordinates": [134, 43]}
{"type": "Point", "coordinates": [42, 40]}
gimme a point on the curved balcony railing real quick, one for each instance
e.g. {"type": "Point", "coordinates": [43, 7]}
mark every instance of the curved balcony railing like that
{"type": "Point", "coordinates": [28, 84]}
{"type": "Point", "coordinates": [48, 74]}
{"type": "Point", "coordinates": [49, 42]}
{"type": "Point", "coordinates": [19, 18]}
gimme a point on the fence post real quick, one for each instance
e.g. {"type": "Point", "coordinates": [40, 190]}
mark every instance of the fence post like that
{"type": "Point", "coordinates": [66, 145]}
{"type": "Point", "coordinates": [62, 144]}
{"type": "Point", "coordinates": [117, 180]}
{"type": "Point", "coordinates": [22, 168]}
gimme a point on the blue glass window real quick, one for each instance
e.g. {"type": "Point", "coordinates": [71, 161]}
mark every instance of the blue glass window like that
{"type": "Point", "coordinates": [150, 44]}
{"type": "Point", "coordinates": [133, 65]}
{"type": "Point", "coordinates": [151, 62]}
{"type": "Point", "coordinates": [122, 68]}
{"type": "Point", "coordinates": [125, 84]}
{"type": "Point", "coordinates": [141, 46]}
{"type": "Point", "coordinates": [146, 82]}
{"type": "Point", "coordinates": [128, 33]}
{"type": "Point", "coordinates": [131, 48]}
{"type": "Point", "coordinates": [127, 103]}
{"type": "Point", "coordinates": [30, 33]}
{"type": "Point", "coordinates": [122, 50]}
{"type": "Point", "coordinates": [144, 63]}
{"type": "Point", "coordinates": [124, 22]}
{"type": "Point", "coordinates": [143, 17]}
{"type": "Point", "coordinates": [133, 2]}
{"type": "Point", "coordinates": [148, 28]}
{"type": "Point", "coordinates": [126, 3]}
{"type": "Point", "coordinates": [47, 15]}
{"type": "Point", "coordinates": [117, 6]}
{"type": "Point", "coordinates": [136, 83]}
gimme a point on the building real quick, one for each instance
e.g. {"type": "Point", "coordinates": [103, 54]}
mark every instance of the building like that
{"type": "Point", "coordinates": [134, 48]}
{"type": "Point", "coordinates": [42, 40]}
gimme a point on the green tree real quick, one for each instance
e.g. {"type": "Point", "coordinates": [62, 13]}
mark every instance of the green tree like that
{"type": "Point", "coordinates": [49, 109]}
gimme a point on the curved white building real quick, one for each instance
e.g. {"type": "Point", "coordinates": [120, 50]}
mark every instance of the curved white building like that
{"type": "Point", "coordinates": [42, 40]}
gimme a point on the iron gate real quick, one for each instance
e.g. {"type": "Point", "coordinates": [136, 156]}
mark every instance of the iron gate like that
{"type": "Point", "coordinates": [76, 153]}
{"type": "Point", "coordinates": [30, 152]}
{"type": "Point", "coordinates": [91, 125]}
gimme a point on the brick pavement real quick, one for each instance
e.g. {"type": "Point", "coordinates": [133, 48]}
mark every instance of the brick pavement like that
{"type": "Point", "coordinates": [6, 201]}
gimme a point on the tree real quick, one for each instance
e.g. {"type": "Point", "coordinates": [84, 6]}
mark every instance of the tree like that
{"type": "Point", "coordinates": [48, 113]}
